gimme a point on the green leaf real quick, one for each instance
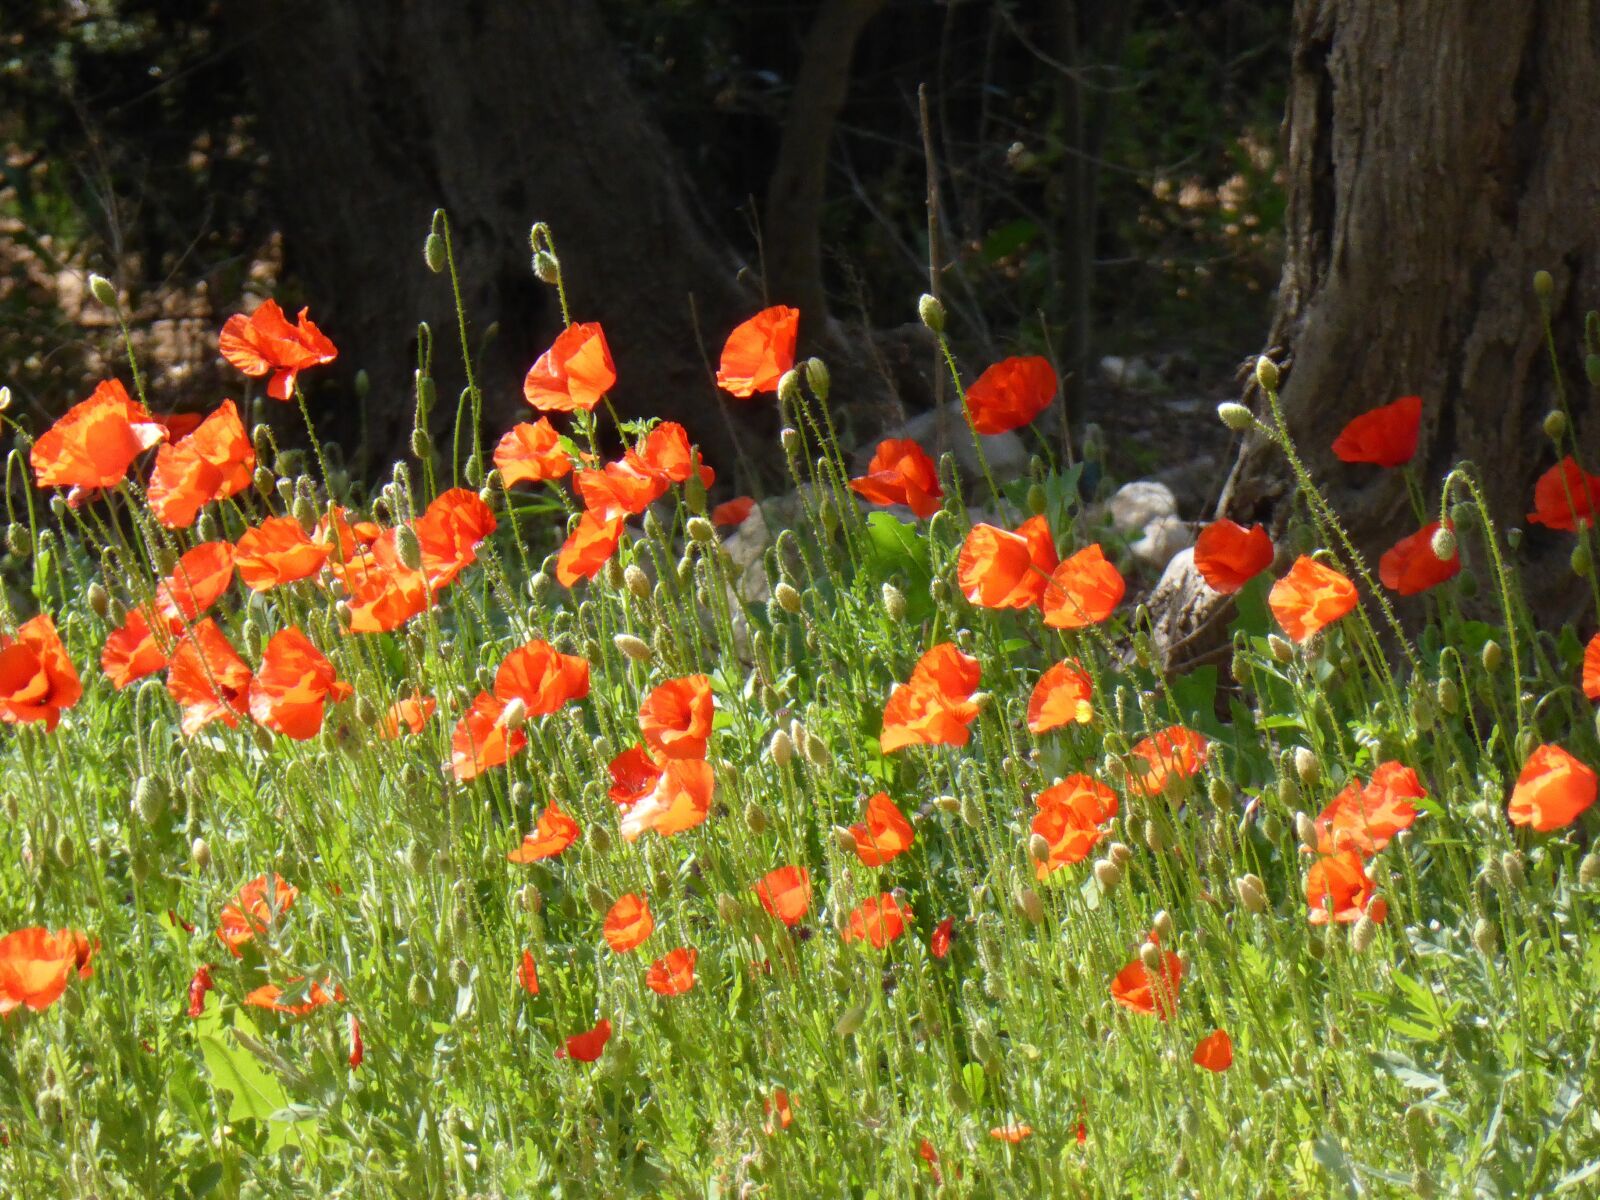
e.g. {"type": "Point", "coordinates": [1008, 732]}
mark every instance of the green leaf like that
{"type": "Point", "coordinates": [253, 1093]}
{"type": "Point", "coordinates": [1331, 1158]}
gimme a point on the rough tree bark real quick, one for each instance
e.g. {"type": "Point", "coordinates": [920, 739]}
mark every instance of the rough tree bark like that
{"type": "Point", "coordinates": [1439, 153]}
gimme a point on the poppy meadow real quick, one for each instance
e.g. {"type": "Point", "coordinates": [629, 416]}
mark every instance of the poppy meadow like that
{"type": "Point", "coordinates": [554, 817]}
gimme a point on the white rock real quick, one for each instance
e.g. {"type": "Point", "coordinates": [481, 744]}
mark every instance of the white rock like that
{"type": "Point", "coordinates": [1161, 540]}
{"type": "Point", "coordinates": [1137, 504]}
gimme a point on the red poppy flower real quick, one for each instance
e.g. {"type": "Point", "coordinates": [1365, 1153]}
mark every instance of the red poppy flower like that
{"type": "Point", "coordinates": [1173, 753]}
{"type": "Point", "coordinates": [553, 834]}
{"type": "Point", "coordinates": [758, 352]}
{"type": "Point", "coordinates": [588, 549]}
{"type": "Point", "coordinates": [1364, 819]}
{"type": "Point", "coordinates": [1565, 495]}
{"type": "Point", "coordinates": [878, 919]}
{"type": "Point", "coordinates": [1337, 889]}
{"type": "Point", "coordinates": [177, 424]}
{"type": "Point", "coordinates": [680, 799]}
{"type": "Point", "coordinates": [382, 592]}
{"type": "Point", "coordinates": [197, 582]}
{"type": "Point", "coordinates": [1384, 437]}
{"type": "Point", "coordinates": [785, 892]}
{"type": "Point", "coordinates": [884, 835]}
{"type": "Point", "coordinates": [779, 1112]}
{"type": "Point", "coordinates": [1012, 1133]}
{"type": "Point", "coordinates": [541, 677]}
{"type": "Point", "coordinates": [998, 569]}
{"type": "Point", "coordinates": [1552, 789]}
{"type": "Point", "coordinates": [293, 685]}
{"type": "Point", "coordinates": [528, 974]}
{"type": "Point", "coordinates": [586, 1047]}
{"type": "Point", "coordinates": [1136, 988]}
{"type": "Point", "coordinates": [939, 940]}
{"type": "Point", "coordinates": [411, 713]}
{"type": "Point", "coordinates": [531, 452]}
{"type": "Point", "coordinates": [1011, 393]}
{"type": "Point", "coordinates": [94, 442]}
{"type": "Point", "coordinates": [1070, 817]}
{"type": "Point", "coordinates": [37, 679]}
{"type": "Point", "coordinates": [1083, 590]}
{"type": "Point", "coordinates": [1228, 555]}
{"type": "Point", "coordinates": [35, 966]}
{"type": "Point", "coordinates": [253, 909]}
{"type": "Point", "coordinates": [628, 923]}
{"type": "Point", "coordinates": [574, 373]}
{"type": "Point", "coordinates": [199, 985]}
{"type": "Point", "coordinates": [666, 453]}
{"type": "Point", "coordinates": [733, 512]}
{"type": "Point", "coordinates": [901, 473]}
{"type": "Point", "coordinates": [358, 1049]}
{"type": "Point", "coordinates": [1214, 1051]}
{"type": "Point", "coordinates": [350, 537]}
{"type": "Point", "coordinates": [277, 552]}
{"type": "Point", "coordinates": [1061, 697]}
{"type": "Point", "coordinates": [1410, 565]}
{"type": "Point", "coordinates": [929, 1155]}
{"type": "Point", "coordinates": [132, 651]}
{"type": "Point", "coordinates": [208, 679]}
{"type": "Point", "coordinates": [675, 717]}
{"type": "Point", "coordinates": [634, 775]}
{"type": "Point", "coordinates": [302, 997]}
{"type": "Point", "coordinates": [672, 975]}
{"type": "Point", "coordinates": [265, 343]}
{"type": "Point", "coordinates": [212, 463]}
{"type": "Point", "coordinates": [449, 534]}
{"type": "Point", "coordinates": [1591, 668]}
{"type": "Point", "coordinates": [620, 489]}
{"type": "Point", "coordinates": [481, 739]}
{"type": "Point", "coordinates": [1310, 598]}
{"type": "Point", "coordinates": [935, 708]}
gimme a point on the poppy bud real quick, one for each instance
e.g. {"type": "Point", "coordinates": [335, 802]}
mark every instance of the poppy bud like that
{"type": "Point", "coordinates": [1150, 956]}
{"type": "Point", "coordinates": [1582, 562]}
{"type": "Point", "coordinates": [66, 852]}
{"type": "Point", "coordinates": [5, 399]}
{"type": "Point", "coordinates": [103, 290]}
{"type": "Point", "coordinates": [1443, 543]}
{"type": "Point", "coordinates": [545, 267]}
{"type": "Point", "coordinates": [635, 648]}
{"type": "Point", "coordinates": [947, 804]}
{"type": "Point", "coordinates": [849, 1021]}
{"type": "Point", "coordinates": [597, 898]}
{"type": "Point", "coordinates": [433, 252]}
{"type": "Point", "coordinates": [1252, 893]}
{"type": "Point", "coordinates": [1484, 936]}
{"type": "Point", "coordinates": [971, 812]}
{"type": "Point", "coordinates": [1267, 374]}
{"type": "Point", "coordinates": [1235, 416]}
{"type": "Point", "coordinates": [1281, 649]}
{"type": "Point", "coordinates": [1155, 836]}
{"type": "Point", "coordinates": [1039, 848]}
{"type": "Point", "coordinates": [1589, 868]}
{"type": "Point", "coordinates": [200, 853]}
{"type": "Point", "coordinates": [418, 992]}
{"type": "Point", "coordinates": [781, 748]}
{"type": "Point", "coordinates": [421, 444]}
{"type": "Point", "coordinates": [1162, 925]}
{"type": "Point", "coordinates": [1491, 656]}
{"type": "Point", "coordinates": [894, 603]}
{"type": "Point", "coordinates": [729, 909]}
{"type": "Point", "coordinates": [789, 387]}
{"type": "Point", "coordinates": [1555, 424]}
{"type": "Point", "coordinates": [530, 898]}
{"type": "Point", "coordinates": [1308, 766]}
{"type": "Point", "coordinates": [817, 376]}
{"type": "Point", "coordinates": [1591, 368]}
{"type": "Point", "coordinates": [1511, 864]}
{"type": "Point", "coordinates": [1449, 696]}
{"type": "Point", "coordinates": [599, 839]}
{"type": "Point", "coordinates": [931, 311]}
{"type": "Point", "coordinates": [939, 590]}
{"type": "Point", "coordinates": [19, 539]}
{"type": "Point", "coordinates": [816, 753]}
{"type": "Point", "coordinates": [1543, 285]}
{"type": "Point", "coordinates": [1306, 830]}
{"type": "Point", "coordinates": [789, 439]}
{"type": "Point", "coordinates": [788, 599]}
{"type": "Point", "coordinates": [1363, 933]}
{"type": "Point", "coordinates": [1028, 903]}
{"type": "Point", "coordinates": [1107, 874]}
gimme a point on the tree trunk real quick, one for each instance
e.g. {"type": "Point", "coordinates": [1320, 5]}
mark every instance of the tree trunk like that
{"type": "Point", "coordinates": [1439, 153]}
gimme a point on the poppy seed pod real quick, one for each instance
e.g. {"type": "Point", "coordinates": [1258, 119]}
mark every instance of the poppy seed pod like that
{"type": "Point", "coordinates": [931, 312]}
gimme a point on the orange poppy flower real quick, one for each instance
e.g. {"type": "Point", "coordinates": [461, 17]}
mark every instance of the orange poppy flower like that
{"type": "Point", "coordinates": [672, 975]}
{"type": "Point", "coordinates": [382, 592]}
{"type": "Point", "coordinates": [779, 1112]}
{"type": "Point", "coordinates": [481, 740]}
{"type": "Point", "coordinates": [1214, 1051]}
{"type": "Point", "coordinates": [208, 679]}
{"type": "Point", "coordinates": [1070, 817]}
{"type": "Point", "coordinates": [667, 453]}
{"type": "Point", "coordinates": [94, 442]}
{"type": "Point", "coordinates": [528, 974]}
{"type": "Point", "coordinates": [733, 512]}
{"type": "Point", "coordinates": [35, 966]}
{"type": "Point", "coordinates": [620, 489]}
{"type": "Point", "coordinates": [1173, 753]}
{"type": "Point", "coordinates": [1083, 590]}
{"type": "Point", "coordinates": [553, 834]}
{"type": "Point", "coordinates": [1310, 598]}
{"type": "Point", "coordinates": [759, 351]}
{"type": "Point", "coordinates": [1565, 495]}
{"type": "Point", "coordinates": [588, 549]}
{"type": "Point", "coordinates": [1410, 565]}
{"type": "Point", "coordinates": [132, 651]}
{"type": "Point", "coordinates": [265, 343]}
{"type": "Point", "coordinates": [199, 984]}
{"type": "Point", "coordinates": [177, 424]}
{"type": "Point", "coordinates": [1337, 889]}
{"type": "Point", "coordinates": [449, 534]}
{"type": "Point", "coordinates": [1011, 393]}
{"type": "Point", "coordinates": [531, 452]}
{"type": "Point", "coordinates": [998, 569]}
{"type": "Point", "coordinates": [586, 1047]}
{"type": "Point", "coordinates": [351, 536]}
{"type": "Point", "coordinates": [37, 679]}
{"type": "Point", "coordinates": [1551, 791]}
{"type": "Point", "coordinates": [1228, 555]}
{"type": "Point", "coordinates": [411, 713]}
{"type": "Point", "coordinates": [901, 473]}
{"type": "Point", "coordinates": [680, 799]}
{"type": "Point", "coordinates": [212, 463]}
{"type": "Point", "coordinates": [197, 582]}
{"type": "Point", "coordinates": [358, 1049]}
{"type": "Point", "coordinates": [1012, 1133]}
{"type": "Point", "coordinates": [628, 923]}
{"type": "Point", "coordinates": [1061, 697]}
{"type": "Point", "coordinates": [541, 677]}
{"type": "Point", "coordinates": [277, 552]}
{"type": "Point", "coordinates": [634, 775]}
{"type": "Point", "coordinates": [293, 685]}
{"type": "Point", "coordinates": [302, 997]}
{"type": "Point", "coordinates": [935, 707]}
{"type": "Point", "coordinates": [1364, 819]}
{"type": "Point", "coordinates": [1154, 995]}
{"type": "Point", "coordinates": [675, 717]}
{"type": "Point", "coordinates": [939, 940]}
{"type": "Point", "coordinates": [1384, 437]}
{"type": "Point", "coordinates": [574, 373]}
{"type": "Point", "coordinates": [785, 893]}
{"type": "Point", "coordinates": [1591, 668]}
{"type": "Point", "coordinates": [878, 919]}
{"type": "Point", "coordinates": [884, 835]}
{"type": "Point", "coordinates": [253, 909]}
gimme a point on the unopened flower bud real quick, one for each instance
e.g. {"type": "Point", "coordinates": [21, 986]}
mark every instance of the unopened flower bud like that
{"type": "Point", "coordinates": [103, 290]}
{"type": "Point", "coordinates": [1306, 830]}
{"type": "Point", "coordinates": [1555, 424]}
{"type": "Point", "coordinates": [894, 603]}
{"type": "Point", "coordinates": [1150, 956]}
{"type": "Point", "coordinates": [1582, 561]}
{"type": "Point", "coordinates": [421, 443]}
{"type": "Point", "coordinates": [433, 252]}
{"type": "Point", "coordinates": [636, 581]}
{"type": "Point", "coordinates": [931, 311]}
{"type": "Point", "coordinates": [849, 1021]}
{"type": "Point", "coordinates": [1107, 874]}
{"type": "Point", "coordinates": [5, 399]}
{"type": "Point", "coordinates": [1028, 903]}
{"type": "Point", "coordinates": [1039, 848]}
{"type": "Point", "coordinates": [817, 376]}
{"type": "Point", "coordinates": [1443, 543]}
{"type": "Point", "coordinates": [1543, 285]}
{"type": "Point", "coordinates": [1484, 937]}
{"type": "Point", "coordinates": [1162, 925]}
{"type": "Point", "coordinates": [1155, 836]}
{"type": "Point", "coordinates": [1307, 766]}
{"type": "Point", "coordinates": [200, 853]}
{"type": "Point", "coordinates": [844, 839]}
{"type": "Point", "coordinates": [755, 818]}
{"type": "Point", "coordinates": [1267, 374]}
{"type": "Point", "coordinates": [1363, 933]}
{"type": "Point", "coordinates": [1591, 369]}
{"type": "Point", "coordinates": [19, 539]}
{"type": "Point", "coordinates": [1235, 416]}
{"type": "Point", "coordinates": [789, 439]}
{"type": "Point", "coordinates": [947, 804]}
{"type": "Point", "coordinates": [1511, 864]}
{"type": "Point", "coordinates": [816, 752]}
{"type": "Point", "coordinates": [1281, 649]}
{"type": "Point", "coordinates": [1491, 656]}
{"type": "Point", "coordinates": [789, 387]}
{"type": "Point", "coordinates": [1589, 868]}
{"type": "Point", "coordinates": [788, 599]}
{"type": "Point", "coordinates": [1252, 893]}
{"type": "Point", "coordinates": [729, 909]}
{"type": "Point", "coordinates": [1449, 696]}
{"type": "Point", "coordinates": [635, 648]}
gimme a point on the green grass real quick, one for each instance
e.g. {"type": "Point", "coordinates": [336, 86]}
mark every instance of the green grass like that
{"type": "Point", "coordinates": [1449, 1049]}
